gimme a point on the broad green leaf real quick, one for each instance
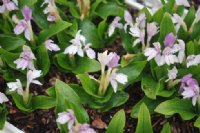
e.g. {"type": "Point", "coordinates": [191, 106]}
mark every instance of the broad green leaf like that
{"type": "Point", "coordinates": [90, 31]}
{"type": "Point", "coordinates": [102, 27]}
{"type": "Point", "coordinates": [10, 43]}
{"type": "Point", "coordinates": [197, 122]}
{"type": "Point", "coordinates": [151, 104]}
{"type": "Point", "coordinates": [133, 70]}
{"type": "Point", "coordinates": [169, 6]}
{"type": "Point", "coordinates": [66, 98]}
{"type": "Point", "coordinates": [117, 123]}
{"type": "Point", "coordinates": [181, 106]}
{"type": "Point", "coordinates": [82, 64]}
{"type": "Point", "coordinates": [127, 42]}
{"type": "Point", "coordinates": [144, 120]}
{"type": "Point", "coordinates": [51, 92]}
{"type": "Point", "coordinates": [166, 27]}
{"type": "Point", "coordinates": [116, 100]}
{"type": "Point", "coordinates": [149, 86]}
{"type": "Point", "coordinates": [9, 58]}
{"type": "Point", "coordinates": [3, 116]}
{"type": "Point", "coordinates": [157, 17]}
{"type": "Point", "coordinates": [43, 60]}
{"type": "Point", "coordinates": [147, 14]}
{"type": "Point", "coordinates": [109, 9]}
{"type": "Point", "coordinates": [166, 128]}
{"type": "Point", "coordinates": [53, 29]}
{"type": "Point", "coordinates": [23, 3]}
{"type": "Point", "coordinates": [43, 102]}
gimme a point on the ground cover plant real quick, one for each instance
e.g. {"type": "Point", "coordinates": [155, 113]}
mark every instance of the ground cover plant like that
{"type": "Point", "coordinates": [77, 61]}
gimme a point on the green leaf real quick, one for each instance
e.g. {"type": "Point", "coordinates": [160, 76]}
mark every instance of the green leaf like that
{"type": "Point", "coordinates": [43, 60]}
{"type": "Point", "coordinates": [144, 120]}
{"type": "Point", "coordinates": [53, 30]}
{"type": "Point", "coordinates": [90, 31]}
{"type": "Point", "coordinates": [3, 116]}
{"type": "Point", "coordinates": [102, 27]}
{"type": "Point", "coordinates": [149, 86]}
{"type": "Point", "coordinates": [181, 106]}
{"type": "Point", "coordinates": [89, 85]}
{"type": "Point", "coordinates": [9, 58]}
{"type": "Point", "coordinates": [166, 128]}
{"type": "Point", "coordinates": [117, 123]}
{"type": "Point", "coordinates": [23, 3]}
{"type": "Point", "coordinates": [10, 43]}
{"type": "Point", "coordinates": [83, 64]}
{"type": "Point", "coordinates": [109, 9]}
{"type": "Point", "coordinates": [151, 104]}
{"type": "Point", "coordinates": [197, 122]}
{"type": "Point", "coordinates": [127, 41]}
{"type": "Point", "coordinates": [66, 98]}
{"type": "Point", "coordinates": [43, 102]}
{"type": "Point", "coordinates": [166, 27]}
{"type": "Point", "coordinates": [133, 70]}
{"type": "Point", "coordinates": [51, 92]}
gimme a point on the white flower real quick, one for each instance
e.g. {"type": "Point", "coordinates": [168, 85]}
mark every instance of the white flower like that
{"type": "Point", "coordinates": [182, 3]}
{"type": "Point", "coordinates": [129, 20]}
{"type": "Point", "coordinates": [104, 58]}
{"type": "Point", "coordinates": [181, 53]}
{"type": "Point", "coordinates": [67, 117]}
{"type": "Point", "coordinates": [50, 45]}
{"type": "Point", "coordinates": [90, 52]}
{"type": "Point", "coordinates": [26, 59]}
{"type": "Point", "coordinates": [16, 86]}
{"type": "Point", "coordinates": [141, 21]}
{"type": "Point", "coordinates": [32, 75]}
{"type": "Point", "coordinates": [115, 24]}
{"type": "Point", "coordinates": [116, 78]}
{"type": "Point", "coordinates": [172, 74]}
{"type": "Point", "coordinates": [3, 98]}
{"type": "Point", "coordinates": [178, 21]}
{"type": "Point", "coordinates": [193, 60]}
{"type": "Point", "coordinates": [152, 52]}
{"type": "Point", "coordinates": [152, 30]}
{"type": "Point", "coordinates": [154, 5]}
{"type": "Point", "coordinates": [138, 33]}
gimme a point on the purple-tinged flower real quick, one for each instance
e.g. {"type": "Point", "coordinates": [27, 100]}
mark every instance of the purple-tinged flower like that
{"type": "Point", "coordinates": [116, 78]}
{"type": "Point", "coordinates": [141, 21]}
{"type": "Point", "coordinates": [24, 25]}
{"type": "Point", "coordinates": [129, 20]}
{"type": "Point", "coordinates": [50, 45]}
{"type": "Point", "coordinates": [138, 33]}
{"type": "Point", "coordinates": [27, 13]}
{"type": "Point", "coordinates": [32, 75]}
{"type": "Point", "coordinates": [182, 3]}
{"type": "Point", "coordinates": [172, 74]}
{"type": "Point", "coordinates": [85, 128]}
{"type": "Point", "coordinates": [193, 60]}
{"type": "Point", "coordinates": [152, 30]}
{"type": "Point", "coordinates": [154, 5]}
{"type": "Point", "coordinates": [189, 88]}
{"type": "Point", "coordinates": [3, 98]}
{"type": "Point", "coordinates": [8, 6]}
{"type": "Point", "coordinates": [67, 117]}
{"type": "Point", "coordinates": [115, 24]}
{"type": "Point", "coordinates": [16, 86]}
{"type": "Point", "coordinates": [170, 40]}
{"type": "Point", "coordinates": [51, 10]}
{"type": "Point", "coordinates": [90, 52]}
{"type": "Point", "coordinates": [104, 58]}
{"type": "Point", "coordinates": [181, 51]}
{"type": "Point", "coordinates": [153, 52]}
{"type": "Point", "coordinates": [178, 21]}
{"type": "Point", "coordinates": [26, 59]}
{"type": "Point", "coordinates": [113, 61]}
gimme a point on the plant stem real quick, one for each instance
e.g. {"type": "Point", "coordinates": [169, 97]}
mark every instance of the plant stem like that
{"type": "Point", "coordinates": [26, 96]}
{"type": "Point", "coordinates": [72, 60]}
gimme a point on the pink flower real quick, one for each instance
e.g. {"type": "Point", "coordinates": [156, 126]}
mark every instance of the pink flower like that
{"type": "Point", "coordinates": [67, 117]}
{"type": "Point", "coordinates": [3, 98]}
{"type": "Point", "coordinates": [193, 60]}
{"type": "Point", "coordinates": [189, 88]}
{"type": "Point", "coordinates": [170, 40]}
{"type": "Point", "coordinates": [141, 21]}
{"type": "Point", "coordinates": [24, 25]}
{"type": "Point", "coordinates": [115, 24]}
{"type": "Point", "coordinates": [26, 59]}
{"type": "Point", "coordinates": [113, 61]}
{"type": "Point", "coordinates": [7, 6]}
{"type": "Point", "coordinates": [50, 45]}
{"type": "Point", "coordinates": [89, 51]}
{"type": "Point", "coordinates": [153, 52]}
{"type": "Point", "coordinates": [172, 74]}
{"type": "Point", "coordinates": [138, 33]}
{"type": "Point", "coordinates": [152, 30]}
